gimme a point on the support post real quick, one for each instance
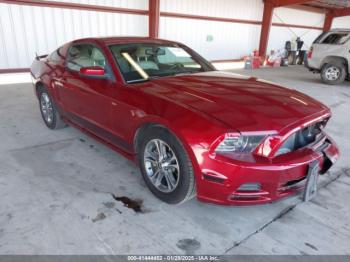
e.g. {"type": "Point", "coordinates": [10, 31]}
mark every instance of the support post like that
{"type": "Point", "coordinates": [328, 22]}
{"type": "Point", "coordinates": [153, 18]}
{"type": "Point", "coordinates": [265, 27]}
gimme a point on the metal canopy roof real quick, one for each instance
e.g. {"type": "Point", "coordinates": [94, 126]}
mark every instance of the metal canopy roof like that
{"type": "Point", "coordinates": [329, 4]}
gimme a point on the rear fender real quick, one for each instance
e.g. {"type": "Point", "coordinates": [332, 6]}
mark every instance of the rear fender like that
{"type": "Point", "coordinates": [336, 60]}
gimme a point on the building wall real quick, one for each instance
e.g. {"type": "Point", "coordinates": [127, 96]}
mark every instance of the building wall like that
{"type": "Point", "coordinates": [341, 22]}
{"type": "Point", "coordinates": [136, 4]}
{"type": "Point", "coordinates": [229, 40]}
{"type": "Point", "coordinates": [25, 30]}
{"type": "Point", "coordinates": [241, 9]}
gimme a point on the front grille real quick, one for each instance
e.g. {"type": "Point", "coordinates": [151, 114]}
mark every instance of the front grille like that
{"type": "Point", "coordinates": [249, 187]}
{"type": "Point", "coordinates": [303, 137]}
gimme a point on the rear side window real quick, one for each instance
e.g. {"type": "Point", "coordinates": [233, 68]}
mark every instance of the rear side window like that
{"type": "Point", "coordinates": [85, 55]}
{"type": "Point", "coordinates": [319, 38]}
{"type": "Point", "coordinates": [337, 38]}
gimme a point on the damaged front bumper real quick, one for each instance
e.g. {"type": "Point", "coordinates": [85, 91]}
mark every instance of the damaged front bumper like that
{"type": "Point", "coordinates": [260, 180]}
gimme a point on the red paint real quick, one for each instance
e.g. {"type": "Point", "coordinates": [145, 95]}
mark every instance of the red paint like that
{"type": "Point", "coordinates": [341, 12]}
{"type": "Point", "coordinates": [328, 22]}
{"type": "Point", "coordinates": [153, 17]}
{"type": "Point", "coordinates": [309, 53]}
{"type": "Point", "coordinates": [265, 28]}
{"type": "Point", "coordinates": [199, 109]}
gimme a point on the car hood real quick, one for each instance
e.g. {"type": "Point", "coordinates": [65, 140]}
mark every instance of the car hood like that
{"type": "Point", "coordinates": [242, 103]}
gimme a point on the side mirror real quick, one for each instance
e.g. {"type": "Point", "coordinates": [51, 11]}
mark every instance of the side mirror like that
{"type": "Point", "coordinates": [92, 71]}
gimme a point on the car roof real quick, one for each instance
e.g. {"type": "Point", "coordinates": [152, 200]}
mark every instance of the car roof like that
{"type": "Point", "coordinates": [340, 30]}
{"type": "Point", "coordinates": [126, 39]}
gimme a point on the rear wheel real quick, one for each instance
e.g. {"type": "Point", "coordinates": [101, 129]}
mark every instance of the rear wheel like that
{"type": "Point", "coordinates": [333, 73]}
{"type": "Point", "coordinates": [166, 166]}
{"type": "Point", "coordinates": [48, 110]}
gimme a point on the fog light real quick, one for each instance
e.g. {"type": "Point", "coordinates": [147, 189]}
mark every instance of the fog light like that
{"type": "Point", "coordinates": [250, 187]}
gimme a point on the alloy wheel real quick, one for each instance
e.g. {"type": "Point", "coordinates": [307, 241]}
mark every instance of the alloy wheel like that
{"type": "Point", "coordinates": [161, 165]}
{"type": "Point", "coordinates": [332, 73]}
{"type": "Point", "coordinates": [46, 107]}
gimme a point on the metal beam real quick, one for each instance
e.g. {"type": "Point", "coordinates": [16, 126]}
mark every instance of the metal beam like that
{"type": "Point", "coordinates": [341, 12]}
{"type": "Point", "coordinates": [280, 3]}
{"type": "Point", "coordinates": [153, 18]}
{"type": "Point", "coordinates": [265, 27]}
{"type": "Point", "coordinates": [328, 21]}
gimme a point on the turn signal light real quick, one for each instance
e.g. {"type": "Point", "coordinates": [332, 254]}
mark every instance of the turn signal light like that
{"type": "Point", "coordinates": [309, 54]}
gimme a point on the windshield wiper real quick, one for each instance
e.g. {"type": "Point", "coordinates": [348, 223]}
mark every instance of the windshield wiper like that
{"type": "Point", "coordinates": [185, 73]}
{"type": "Point", "coordinates": [155, 77]}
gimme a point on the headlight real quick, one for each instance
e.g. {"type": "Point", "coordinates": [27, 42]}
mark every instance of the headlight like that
{"type": "Point", "coordinates": [238, 144]}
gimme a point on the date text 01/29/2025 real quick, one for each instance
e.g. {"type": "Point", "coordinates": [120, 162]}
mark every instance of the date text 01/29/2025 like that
{"type": "Point", "coordinates": [173, 258]}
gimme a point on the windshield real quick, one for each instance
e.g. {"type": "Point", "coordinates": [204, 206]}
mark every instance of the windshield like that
{"type": "Point", "coordinates": [140, 62]}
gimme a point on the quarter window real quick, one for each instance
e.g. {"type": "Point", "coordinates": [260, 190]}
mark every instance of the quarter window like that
{"type": "Point", "coordinates": [56, 56]}
{"type": "Point", "coordinates": [85, 55]}
{"type": "Point", "coordinates": [336, 38]}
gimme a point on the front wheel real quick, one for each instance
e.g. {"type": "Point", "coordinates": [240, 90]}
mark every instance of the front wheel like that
{"type": "Point", "coordinates": [333, 74]}
{"type": "Point", "coordinates": [166, 166]}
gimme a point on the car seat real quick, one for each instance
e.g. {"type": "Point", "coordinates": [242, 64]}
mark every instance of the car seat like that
{"type": "Point", "coordinates": [98, 58]}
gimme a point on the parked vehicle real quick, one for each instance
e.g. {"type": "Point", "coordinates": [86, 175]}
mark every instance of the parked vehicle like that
{"type": "Point", "coordinates": [330, 56]}
{"type": "Point", "coordinates": [228, 139]}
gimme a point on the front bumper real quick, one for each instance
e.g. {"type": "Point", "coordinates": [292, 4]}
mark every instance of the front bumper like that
{"type": "Point", "coordinates": [226, 181]}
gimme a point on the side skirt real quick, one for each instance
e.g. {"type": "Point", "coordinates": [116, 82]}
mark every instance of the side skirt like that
{"type": "Point", "coordinates": [106, 138]}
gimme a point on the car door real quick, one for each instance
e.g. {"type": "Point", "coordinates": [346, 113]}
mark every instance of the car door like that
{"type": "Point", "coordinates": [87, 99]}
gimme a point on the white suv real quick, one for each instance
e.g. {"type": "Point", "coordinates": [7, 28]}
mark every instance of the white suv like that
{"type": "Point", "coordinates": [330, 56]}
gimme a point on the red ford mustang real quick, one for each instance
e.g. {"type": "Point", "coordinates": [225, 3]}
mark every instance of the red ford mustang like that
{"type": "Point", "coordinates": [228, 139]}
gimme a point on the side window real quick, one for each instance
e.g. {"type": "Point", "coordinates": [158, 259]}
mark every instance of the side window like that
{"type": "Point", "coordinates": [336, 38]}
{"type": "Point", "coordinates": [319, 38]}
{"type": "Point", "coordinates": [85, 55]}
{"type": "Point", "coordinates": [56, 56]}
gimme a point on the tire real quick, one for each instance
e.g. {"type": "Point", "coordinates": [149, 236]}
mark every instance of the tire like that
{"type": "Point", "coordinates": [48, 110]}
{"type": "Point", "coordinates": [333, 73]}
{"type": "Point", "coordinates": [177, 183]}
